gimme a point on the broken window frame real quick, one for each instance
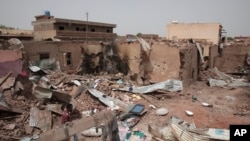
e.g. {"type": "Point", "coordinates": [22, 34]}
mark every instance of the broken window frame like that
{"type": "Point", "coordinates": [67, 58]}
{"type": "Point", "coordinates": [60, 27]}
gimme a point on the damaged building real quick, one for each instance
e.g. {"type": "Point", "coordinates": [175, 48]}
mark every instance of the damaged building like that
{"type": "Point", "coordinates": [155, 64]}
{"type": "Point", "coordinates": [142, 89]}
{"type": "Point", "coordinates": [48, 27]}
{"type": "Point", "coordinates": [98, 81]}
{"type": "Point", "coordinates": [207, 34]}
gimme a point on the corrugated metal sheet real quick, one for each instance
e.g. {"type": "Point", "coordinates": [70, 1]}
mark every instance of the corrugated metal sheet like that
{"type": "Point", "coordinates": [40, 119]}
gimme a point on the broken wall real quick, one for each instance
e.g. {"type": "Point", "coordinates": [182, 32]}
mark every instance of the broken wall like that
{"type": "Point", "coordinates": [213, 53]}
{"type": "Point", "coordinates": [162, 62]}
{"type": "Point", "coordinates": [189, 68]}
{"type": "Point", "coordinates": [36, 51]}
{"type": "Point", "coordinates": [232, 57]}
{"type": "Point", "coordinates": [165, 62]}
{"type": "Point", "coordinates": [11, 61]}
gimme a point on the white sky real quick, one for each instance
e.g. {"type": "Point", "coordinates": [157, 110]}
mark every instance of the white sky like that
{"type": "Point", "coordinates": [133, 16]}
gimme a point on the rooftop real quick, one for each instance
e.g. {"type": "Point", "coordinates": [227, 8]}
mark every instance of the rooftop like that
{"type": "Point", "coordinates": [45, 18]}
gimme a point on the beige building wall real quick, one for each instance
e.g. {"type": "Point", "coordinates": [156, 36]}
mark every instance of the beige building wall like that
{"type": "Point", "coordinates": [207, 31]}
{"type": "Point", "coordinates": [41, 35]}
{"type": "Point", "coordinates": [16, 31]}
{"type": "Point", "coordinates": [55, 50]}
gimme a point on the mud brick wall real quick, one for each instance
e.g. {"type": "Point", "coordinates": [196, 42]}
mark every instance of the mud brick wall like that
{"type": "Point", "coordinates": [213, 53]}
{"type": "Point", "coordinates": [160, 64]}
{"type": "Point", "coordinates": [55, 50]}
{"type": "Point", "coordinates": [232, 57]}
{"type": "Point", "coordinates": [189, 65]}
{"type": "Point", "coordinates": [163, 62]}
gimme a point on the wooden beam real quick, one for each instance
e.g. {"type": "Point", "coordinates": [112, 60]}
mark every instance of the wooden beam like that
{"type": "Point", "coordinates": [5, 78]}
{"type": "Point", "coordinates": [65, 132]}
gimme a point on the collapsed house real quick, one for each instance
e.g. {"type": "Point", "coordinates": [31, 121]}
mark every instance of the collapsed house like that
{"type": "Point", "coordinates": [163, 61]}
{"type": "Point", "coordinates": [92, 79]}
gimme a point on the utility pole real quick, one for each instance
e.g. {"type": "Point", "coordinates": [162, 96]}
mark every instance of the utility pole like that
{"type": "Point", "coordinates": [87, 14]}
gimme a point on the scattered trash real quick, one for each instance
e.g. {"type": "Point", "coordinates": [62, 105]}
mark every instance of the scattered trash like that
{"type": "Point", "coordinates": [189, 113]}
{"type": "Point", "coordinates": [92, 132]}
{"type": "Point", "coordinates": [130, 119]}
{"type": "Point", "coordinates": [76, 82]}
{"type": "Point", "coordinates": [169, 85]}
{"type": "Point", "coordinates": [194, 98]}
{"type": "Point", "coordinates": [119, 81]}
{"type": "Point", "coordinates": [206, 104]}
{"type": "Point", "coordinates": [152, 106]}
{"type": "Point", "coordinates": [227, 80]}
{"type": "Point", "coordinates": [162, 111]}
{"type": "Point", "coordinates": [188, 131]}
{"type": "Point", "coordinates": [137, 109]}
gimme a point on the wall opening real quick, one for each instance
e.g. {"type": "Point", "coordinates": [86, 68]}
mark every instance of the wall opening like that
{"type": "Point", "coordinates": [108, 30]}
{"type": "Point", "coordinates": [44, 56]}
{"type": "Point", "coordinates": [77, 29]}
{"type": "Point", "coordinates": [61, 27]}
{"type": "Point", "coordinates": [67, 59]}
{"type": "Point", "coordinates": [92, 30]}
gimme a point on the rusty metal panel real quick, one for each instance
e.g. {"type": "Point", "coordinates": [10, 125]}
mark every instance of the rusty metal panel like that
{"type": "Point", "coordinates": [40, 118]}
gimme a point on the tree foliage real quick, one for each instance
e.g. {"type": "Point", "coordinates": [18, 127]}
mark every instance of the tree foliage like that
{"type": "Point", "coordinates": [138, 34]}
{"type": "Point", "coordinates": [5, 27]}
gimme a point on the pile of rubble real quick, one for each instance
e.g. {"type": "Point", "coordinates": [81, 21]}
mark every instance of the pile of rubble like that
{"type": "Point", "coordinates": [39, 102]}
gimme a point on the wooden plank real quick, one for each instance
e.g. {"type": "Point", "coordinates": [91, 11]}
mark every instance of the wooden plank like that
{"type": "Point", "coordinates": [5, 78]}
{"type": "Point", "coordinates": [77, 126]}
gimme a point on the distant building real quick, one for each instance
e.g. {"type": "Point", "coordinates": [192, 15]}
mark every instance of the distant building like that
{"type": "Point", "coordinates": [131, 38]}
{"type": "Point", "coordinates": [150, 36]}
{"type": "Point", "coordinates": [7, 34]}
{"type": "Point", "coordinates": [211, 32]}
{"type": "Point", "coordinates": [48, 27]}
{"type": "Point", "coordinates": [242, 38]}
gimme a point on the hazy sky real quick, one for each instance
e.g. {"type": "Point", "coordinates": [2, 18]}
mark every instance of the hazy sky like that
{"type": "Point", "coordinates": [133, 16]}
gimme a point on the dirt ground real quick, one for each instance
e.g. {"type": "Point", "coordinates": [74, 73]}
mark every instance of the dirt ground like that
{"type": "Point", "coordinates": [228, 104]}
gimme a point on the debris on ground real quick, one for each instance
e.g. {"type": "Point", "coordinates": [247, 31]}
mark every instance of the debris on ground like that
{"type": "Point", "coordinates": [41, 102]}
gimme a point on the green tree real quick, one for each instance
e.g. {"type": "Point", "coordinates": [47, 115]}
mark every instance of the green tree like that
{"type": "Point", "coordinates": [138, 34]}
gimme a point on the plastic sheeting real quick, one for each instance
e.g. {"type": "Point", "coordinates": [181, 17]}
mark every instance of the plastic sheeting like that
{"type": "Point", "coordinates": [169, 85]}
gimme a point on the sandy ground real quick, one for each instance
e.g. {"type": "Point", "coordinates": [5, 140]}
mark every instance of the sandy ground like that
{"type": "Point", "coordinates": [226, 103]}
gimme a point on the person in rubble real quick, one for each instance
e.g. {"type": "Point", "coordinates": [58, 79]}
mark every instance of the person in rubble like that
{"type": "Point", "coordinates": [66, 110]}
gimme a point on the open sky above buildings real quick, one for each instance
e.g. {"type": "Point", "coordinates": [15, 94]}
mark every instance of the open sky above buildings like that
{"type": "Point", "coordinates": [133, 16]}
